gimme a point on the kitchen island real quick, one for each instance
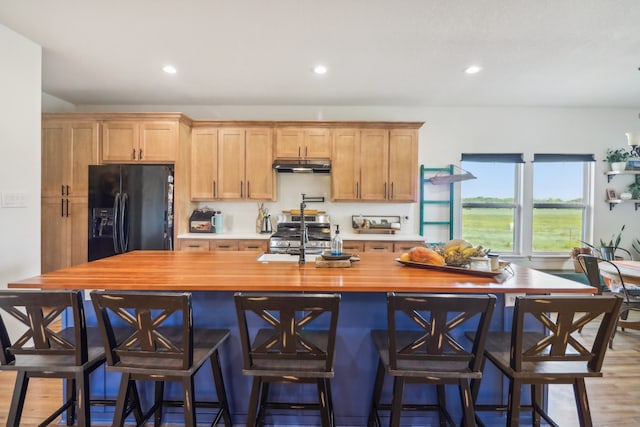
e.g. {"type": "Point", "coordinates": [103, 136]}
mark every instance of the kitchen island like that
{"type": "Point", "coordinates": [214, 276]}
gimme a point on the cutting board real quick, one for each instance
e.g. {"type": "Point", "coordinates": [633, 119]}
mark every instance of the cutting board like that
{"type": "Point", "coordinates": [323, 263]}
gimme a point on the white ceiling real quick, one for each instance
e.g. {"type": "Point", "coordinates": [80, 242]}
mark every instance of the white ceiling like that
{"type": "Point", "coordinates": [379, 52]}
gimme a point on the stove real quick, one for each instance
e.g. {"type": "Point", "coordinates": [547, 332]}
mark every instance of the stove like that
{"type": "Point", "coordinates": [286, 239]}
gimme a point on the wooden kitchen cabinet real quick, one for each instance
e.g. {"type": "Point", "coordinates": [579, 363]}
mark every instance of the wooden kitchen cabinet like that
{"type": "Point", "coordinates": [68, 148]}
{"type": "Point", "coordinates": [245, 164]}
{"type": "Point", "coordinates": [204, 164]}
{"type": "Point", "coordinates": [194, 245]}
{"type": "Point", "coordinates": [352, 246]}
{"type": "Point", "coordinates": [303, 143]}
{"type": "Point", "coordinates": [376, 246]}
{"type": "Point", "coordinates": [374, 165]}
{"type": "Point", "coordinates": [261, 245]}
{"type": "Point", "coordinates": [254, 245]}
{"type": "Point", "coordinates": [139, 141]}
{"type": "Point", "coordinates": [402, 247]}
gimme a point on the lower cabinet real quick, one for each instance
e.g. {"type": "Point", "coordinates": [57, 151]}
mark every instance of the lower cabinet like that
{"type": "Point", "coordinates": [355, 246]}
{"type": "Point", "coordinates": [64, 232]}
{"type": "Point", "coordinates": [223, 245]}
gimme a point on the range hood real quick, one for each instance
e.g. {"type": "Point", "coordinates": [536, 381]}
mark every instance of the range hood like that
{"type": "Point", "coordinates": [302, 166]}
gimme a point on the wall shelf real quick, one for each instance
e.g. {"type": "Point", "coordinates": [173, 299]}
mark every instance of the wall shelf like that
{"type": "Point", "coordinates": [614, 202]}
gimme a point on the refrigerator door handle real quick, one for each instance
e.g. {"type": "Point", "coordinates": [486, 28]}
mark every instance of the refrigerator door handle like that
{"type": "Point", "coordinates": [124, 232]}
{"type": "Point", "coordinates": [116, 221]}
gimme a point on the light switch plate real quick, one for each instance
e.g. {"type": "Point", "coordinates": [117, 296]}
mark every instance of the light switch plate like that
{"type": "Point", "coordinates": [14, 199]}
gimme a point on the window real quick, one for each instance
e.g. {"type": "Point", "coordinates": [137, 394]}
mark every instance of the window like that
{"type": "Point", "coordinates": [560, 201]}
{"type": "Point", "coordinates": [491, 206]}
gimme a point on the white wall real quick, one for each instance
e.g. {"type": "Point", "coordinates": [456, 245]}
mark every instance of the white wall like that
{"type": "Point", "coordinates": [20, 87]}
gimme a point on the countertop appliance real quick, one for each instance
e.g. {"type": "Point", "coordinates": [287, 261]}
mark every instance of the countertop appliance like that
{"type": "Point", "coordinates": [130, 208]}
{"type": "Point", "coordinates": [286, 239]}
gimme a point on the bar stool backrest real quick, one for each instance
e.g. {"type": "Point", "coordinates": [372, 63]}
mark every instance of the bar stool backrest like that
{"type": "Point", "coordinates": [293, 327]}
{"type": "Point", "coordinates": [38, 311]}
{"type": "Point", "coordinates": [562, 317]}
{"type": "Point", "coordinates": [141, 328]}
{"type": "Point", "coordinates": [428, 335]}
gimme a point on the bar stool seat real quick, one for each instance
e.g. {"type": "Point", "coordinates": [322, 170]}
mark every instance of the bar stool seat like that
{"type": "Point", "coordinates": [419, 347]}
{"type": "Point", "coordinates": [295, 344]}
{"type": "Point", "coordinates": [149, 336]}
{"type": "Point", "coordinates": [46, 350]}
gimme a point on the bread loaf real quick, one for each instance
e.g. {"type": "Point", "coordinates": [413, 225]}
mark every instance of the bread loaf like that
{"type": "Point", "coordinates": [425, 255]}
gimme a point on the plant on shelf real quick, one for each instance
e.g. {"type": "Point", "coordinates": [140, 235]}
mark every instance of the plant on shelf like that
{"type": "Point", "coordinates": [636, 245]}
{"type": "Point", "coordinates": [617, 158]}
{"type": "Point", "coordinates": [608, 248]}
{"type": "Point", "coordinates": [634, 189]}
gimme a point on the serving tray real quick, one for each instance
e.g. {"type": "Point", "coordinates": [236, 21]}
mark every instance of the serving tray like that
{"type": "Point", "coordinates": [452, 269]}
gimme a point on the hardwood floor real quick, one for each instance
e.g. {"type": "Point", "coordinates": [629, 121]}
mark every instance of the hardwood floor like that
{"type": "Point", "coordinates": [614, 399]}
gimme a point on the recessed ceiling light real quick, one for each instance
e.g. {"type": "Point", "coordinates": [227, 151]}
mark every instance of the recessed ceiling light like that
{"type": "Point", "coordinates": [169, 69]}
{"type": "Point", "coordinates": [473, 69]}
{"type": "Point", "coordinates": [320, 69]}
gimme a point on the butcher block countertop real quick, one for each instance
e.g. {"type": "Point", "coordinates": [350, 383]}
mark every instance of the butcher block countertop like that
{"type": "Point", "coordinates": [239, 271]}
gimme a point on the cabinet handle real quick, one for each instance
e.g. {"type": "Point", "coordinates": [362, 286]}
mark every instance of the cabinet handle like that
{"type": "Point", "coordinates": [214, 188]}
{"type": "Point", "coordinates": [67, 208]}
{"type": "Point", "coordinates": [133, 154]}
{"type": "Point", "coordinates": [62, 207]}
{"type": "Point", "coordinates": [306, 153]}
{"type": "Point", "coordinates": [385, 190]}
{"type": "Point", "coordinates": [62, 190]}
{"type": "Point", "coordinates": [357, 189]}
{"type": "Point", "coordinates": [68, 190]}
{"type": "Point", "coordinates": [240, 189]}
{"type": "Point", "coordinates": [248, 190]}
{"type": "Point", "coordinates": [298, 151]}
{"type": "Point", "coordinates": [392, 192]}
{"type": "Point", "coordinates": [140, 154]}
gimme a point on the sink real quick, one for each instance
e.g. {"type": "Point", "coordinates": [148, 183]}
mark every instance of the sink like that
{"type": "Point", "coordinates": [284, 258]}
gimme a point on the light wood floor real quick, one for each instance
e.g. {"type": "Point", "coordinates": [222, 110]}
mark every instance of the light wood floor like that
{"type": "Point", "coordinates": [614, 399]}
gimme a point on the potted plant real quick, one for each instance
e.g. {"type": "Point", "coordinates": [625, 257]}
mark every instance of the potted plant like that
{"type": "Point", "coordinates": [574, 256]}
{"type": "Point", "coordinates": [617, 158]}
{"type": "Point", "coordinates": [634, 189]}
{"type": "Point", "coordinates": [636, 245]}
{"type": "Point", "coordinates": [607, 249]}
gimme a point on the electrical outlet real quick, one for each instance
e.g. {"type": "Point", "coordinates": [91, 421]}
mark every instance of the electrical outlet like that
{"type": "Point", "coordinates": [510, 299]}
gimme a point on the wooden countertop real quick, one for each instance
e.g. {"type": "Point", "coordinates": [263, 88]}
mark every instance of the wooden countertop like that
{"type": "Point", "coordinates": [236, 271]}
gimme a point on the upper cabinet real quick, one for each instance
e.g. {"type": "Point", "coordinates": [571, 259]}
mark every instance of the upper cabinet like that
{"type": "Point", "coordinates": [303, 143]}
{"type": "Point", "coordinates": [374, 165]}
{"type": "Point", "coordinates": [232, 163]}
{"type": "Point", "coordinates": [139, 141]}
{"type": "Point", "coordinates": [68, 148]}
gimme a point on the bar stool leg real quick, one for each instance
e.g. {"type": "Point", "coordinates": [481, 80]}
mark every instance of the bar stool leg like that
{"type": "Point", "coordinates": [322, 397]}
{"type": "Point", "coordinates": [582, 403]}
{"type": "Point", "coordinates": [536, 402]}
{"type": "Point", "coordinates": [374, 419]}
{"type": "Point", "coordinates": [220, 388]}
{"type": "Point", "coordinates": [17, 401]}
{"type": "Point", "coordinates": [82, 399]}
{"type": "Point", "coordinates": [189, 406]}
{"type": "Point", "coordinates": [396, 402]}
{"type": "Point", "coordinates": [159, 398]}
{"type": "Point", "coordinates": [71, 397]}
{"type": "Point", "coordinates": [123, 398]}
{"type": "Point", "coordinates": [469, 418]}
{"type": "Point", "coordinates": [254, 398]}
{"type": "Point", "coordinates": [513, 412]}
{"type": "Point", "coordinates": [442, 404]}
{"type": "Point", "coordinates": [330, 402]}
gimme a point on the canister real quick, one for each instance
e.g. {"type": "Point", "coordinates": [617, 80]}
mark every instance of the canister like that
{"type": "Point", "coordinates": [481, 263]}
{"type": "Point", "coordinates": [495, 261]}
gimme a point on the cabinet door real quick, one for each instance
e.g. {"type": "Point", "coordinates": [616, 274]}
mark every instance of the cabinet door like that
{"type": "Point", "coordinates": [223, 245]}
{"type": "Point", "coordinates": [403, 165]}
{"type": "Point", "coordinates": [204, 163]}
{"type": "Point", "coordinates": [194, 245]}
{"type": "Point", "coordinates": [289, 143]}
{"type": "Point", "coordinates": [158, 141]}
{"type": "Point", "coordinates": [259, 173]}
{"type": "Point", "coordinates": [55, 159]}
{"type": "Point", "coordinates": [53, 235]}
{"type": "Point", "coordinates": [374, 246]}
{"type": "Point", "coordinates": [120, 141]}
{"type": "Point", "coordinates": [352, 246]}
{"type": "Point", "coordinates": [374, 165]}
{"type": "Point", "coordinates": [253, 245]}
{"type": "Point", "coordinates": [77, 217]}
{"type": "Point", "coordinates": [345, 165]}
{"type": "Point", "coordinates": [231, 172]}
{"type": "Point", "coordinates": [317, 143]}
{"type": "Point", "coordinates": [84, 144]}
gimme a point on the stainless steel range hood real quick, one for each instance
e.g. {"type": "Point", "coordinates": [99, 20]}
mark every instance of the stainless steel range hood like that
{"type": "Point", "coordinates": [303, 166]}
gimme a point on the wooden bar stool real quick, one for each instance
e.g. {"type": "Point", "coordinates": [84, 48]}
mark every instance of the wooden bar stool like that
{"type": "Point", "coordinates": [555, 356]}
{"type": "Point", "coordinates": [296, 344]}
{"type": "Point", "coordinates": [46, 350]}
{"type": "Point", "coordinates": [158, 342]}
{"type": "Point", "coordinates": [418, 348]}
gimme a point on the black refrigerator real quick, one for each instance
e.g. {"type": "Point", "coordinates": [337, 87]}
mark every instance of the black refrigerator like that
{"type": "Point", "coordinates": [130, 208]}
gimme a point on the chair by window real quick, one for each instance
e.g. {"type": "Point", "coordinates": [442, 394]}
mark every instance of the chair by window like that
{"type": "Point", "coordinates": [149, 336]}
{"type": "Point", "coordinates": [294, 344]}
{"type": "Point", "coordinates": [553, 356]}
{"type": "Point", "coordinates": [46, 350]}
{"type": "Point", "coordinates": [419, 347]}
{"type": "Point", "coordinates": [630, 297]}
